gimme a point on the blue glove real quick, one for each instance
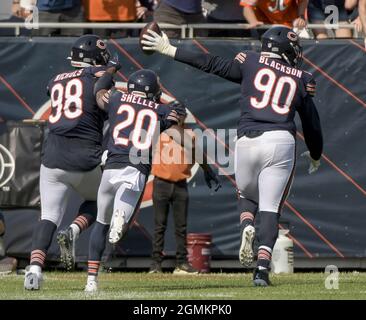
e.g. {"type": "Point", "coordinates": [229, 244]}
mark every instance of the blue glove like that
{"type": "Point", "coordinates": [114, 62]}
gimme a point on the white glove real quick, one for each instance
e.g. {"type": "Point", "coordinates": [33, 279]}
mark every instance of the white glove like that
{"type": "Point", "coordinates": [155, 42]}
{"type": "Point", "coordinates": [314, 164]}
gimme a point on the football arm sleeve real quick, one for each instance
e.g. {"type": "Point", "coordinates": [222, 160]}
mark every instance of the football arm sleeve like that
{"type": "Point", "coordinates": [225, 68]}
{"type": "Point", "coordinates": [187, 141]}
{"type": "Point", "coordinates": [228, 69]}
{"type": "Point", "coordinates": [101, 89]}
{"type": "Point", "coordinates": [311, 127]}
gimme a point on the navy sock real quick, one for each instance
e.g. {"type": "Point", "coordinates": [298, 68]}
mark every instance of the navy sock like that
{"type": "Point", "coordinates": [267, 236]}
{"type": "Point", "coordinates": [247, 209]}
{"type": "Point", "coordinates": [42, 237]}
{"type": "Point", "coordinates": [96, 247]}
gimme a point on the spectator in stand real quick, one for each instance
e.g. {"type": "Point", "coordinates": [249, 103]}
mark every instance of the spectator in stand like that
{"type": "Point", "coordinates": [6, 9]}
{"type": "Point", "coordinates": [362, 15]}
{"type": "Point", "coordinates": [180, 12]}
{"type": "Point", "coordinates": [225, 11]}
{"type": "Point", "coordinates": [11, 11]}
{"type": "Point", "coordinates": [116, 11]}
{"type": "Point", "coordinates": [55, 11]}
{"type": "Point", "coordinates": [290, 13]}
{"type": "Point", "coordinates": [354, 6]}
{"type": "Point", "coordinates": [148, 8]}
{"type": "Point", "coordinates": [317, 14]}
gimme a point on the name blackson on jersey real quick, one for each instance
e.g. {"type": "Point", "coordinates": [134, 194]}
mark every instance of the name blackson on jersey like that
{"type": "Point", "coordinates": [280, 67]}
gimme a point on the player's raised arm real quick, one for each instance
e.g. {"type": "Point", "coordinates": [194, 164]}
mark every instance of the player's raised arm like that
{"type": "Point", "coordinates": [225, 68]}
{"type": "Point", "coordinates": [105, 82]}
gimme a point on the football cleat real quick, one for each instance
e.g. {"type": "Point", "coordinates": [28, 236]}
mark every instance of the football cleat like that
{"type": "Point", "coordinates": [185, 268]}
{"type": "Point", "coordinates": [66, 241]}
{"type": "Point", "coordinates": [91, 286]}
{"type": "Point", "coordinates": [246, 246]}
{"type": "Point", "coordinates": [32, 280]}
{"type": "Point", "coordinates": [261, 278]}
{"type": "Point", "coordinates": [118, 226]}
{"type": "Point", "coordinates": [155, 268]}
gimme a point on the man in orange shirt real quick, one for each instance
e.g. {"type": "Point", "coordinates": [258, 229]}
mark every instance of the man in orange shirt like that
{"type": "Point", "coordinates": [171, 168]}
{"type": "Point", "coordinates": [290, 13]}
{"type": "Point", "coordinates": [114, 11]}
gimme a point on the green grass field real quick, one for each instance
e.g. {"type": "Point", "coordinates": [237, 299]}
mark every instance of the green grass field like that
{"type": "Point", "coordinates": [215, 286]}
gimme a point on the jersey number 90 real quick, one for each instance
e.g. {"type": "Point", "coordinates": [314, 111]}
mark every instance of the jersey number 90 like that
{"type": "Point", "coordinates": [272, 90]}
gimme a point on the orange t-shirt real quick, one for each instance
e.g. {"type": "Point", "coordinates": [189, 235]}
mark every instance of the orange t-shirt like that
{"type": "Point", "coordinates": [110, 10]}
{"type": "Point", "coordinates": [170, 161]}
{"type": "Point", "coordinates": [274, 11]}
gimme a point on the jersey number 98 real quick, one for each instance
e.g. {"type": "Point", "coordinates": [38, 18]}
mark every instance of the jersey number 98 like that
{"type": "Point", "coordinates": [66, 100]}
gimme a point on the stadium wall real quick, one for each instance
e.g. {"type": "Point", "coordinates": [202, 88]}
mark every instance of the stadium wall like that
{"type": "Point", "coordinates": [325, 212]}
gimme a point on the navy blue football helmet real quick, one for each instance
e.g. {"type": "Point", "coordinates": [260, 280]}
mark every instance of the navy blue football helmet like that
{"type": "Point", "coordinates": [89, 50]}
{"type": "Point", "coordinates": [284, 42]}
{"type": "Point", "coordinates": [145, 81]}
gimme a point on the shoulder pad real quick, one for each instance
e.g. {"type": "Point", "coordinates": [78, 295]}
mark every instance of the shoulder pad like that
{"type": "Point", "coordinates": [244, 56]}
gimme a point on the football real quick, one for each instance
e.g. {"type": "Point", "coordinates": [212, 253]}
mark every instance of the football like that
{"type": "Point", "coordinates": [150, 26]}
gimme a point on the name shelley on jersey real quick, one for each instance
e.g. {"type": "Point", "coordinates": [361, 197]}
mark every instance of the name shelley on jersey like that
{"type": "Point", "coordinates": [131, 98]}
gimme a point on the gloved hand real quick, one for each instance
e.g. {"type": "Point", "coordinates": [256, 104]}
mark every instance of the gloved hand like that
{"type": "Point", "coordinates": [179, 107]}
{"type": "Point", "coordinates": [178, 112]}
{"type": "Point", "coordinates": [114, 63]}
{"type": "Point", "coordinates": [161, 44]}
{"type": "Point", "coordinates": [210, 175]}
{"type": "Point", "coordinates": [314, 164]}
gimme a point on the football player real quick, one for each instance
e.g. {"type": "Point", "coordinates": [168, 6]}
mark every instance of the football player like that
{"type": "Point", "coordinates": [136, 119]}
{"type": "Point", "coordinates": [71, 154]}
{"type": "Point", "coordinates": [273, 88]}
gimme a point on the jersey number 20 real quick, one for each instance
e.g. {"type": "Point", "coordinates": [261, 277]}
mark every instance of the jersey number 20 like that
{"type": "Point", "coordinates": [272, 89]}
{"type": "Point", "coordinates": [66, 100]}
{"type": "Point", "coordinates": [137, 121]}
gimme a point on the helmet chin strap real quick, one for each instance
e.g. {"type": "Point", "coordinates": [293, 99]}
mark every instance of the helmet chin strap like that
{"type": "Point", "coordinates": [275, 56]}
{"type": "Point", "coordinates": [286, 59]}
{"type": "Point", "coordinates": [78, 64]}
{"type": "Point", "coordinates": [140, 94]}
{"type": "Point", "coordinates": [271, 55]}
